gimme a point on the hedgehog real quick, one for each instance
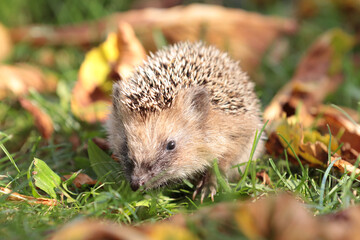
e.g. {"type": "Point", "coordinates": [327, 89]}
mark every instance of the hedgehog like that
{"type": "Point", "coordinates": [186, 106]}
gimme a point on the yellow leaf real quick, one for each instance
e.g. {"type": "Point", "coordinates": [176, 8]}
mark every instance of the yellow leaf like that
{"type": "Point", "coordinates": [95, 69]}
{"type": "Point", "coordinates": [246, 223]}
{"type": "Point", "coordinates": [170, 232]}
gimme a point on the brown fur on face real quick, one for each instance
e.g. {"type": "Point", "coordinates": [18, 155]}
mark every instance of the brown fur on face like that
{"type": "Point", "coordinates": [142, 142]}
{"type": "Point", "coordinates": [201, 133]}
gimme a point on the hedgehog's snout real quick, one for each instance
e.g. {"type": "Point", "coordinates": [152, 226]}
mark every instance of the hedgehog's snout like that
{"type": "Point", "coordinates": [139, 178]}
{"type": "Point", "coordinates": [136, 183]}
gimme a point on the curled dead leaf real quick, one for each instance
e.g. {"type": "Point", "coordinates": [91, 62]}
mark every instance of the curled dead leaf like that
{"type": "Point", "coordinates": [245, 35]}
{"type": "Point", "coordinates": [42, 120]}
{"type": "Point", "coordinates": [346, 167]}
{"type": "Point", "coordinates": [91, 95]}
{"type": "Point", "coordinates": [92, 229]}
{"type": "Point", "coordinates": [264, 177]}
{"type": "Point", "coordinates": [309, 145]}
{"type": "Point", "coordinates": [13, 196]}
{"type": "Point", "coordinates": [81, 179]}
{"type": "Point", "coordinates": [16, 80]}
{"type": "Point", "coordinates": [132, 53]}
{"type": "Point", "coordinates": [317, 75]}
{"type": "Point", "coordinates": [102, 143]}
{"type": "Point", "coordinates": [341, 125]}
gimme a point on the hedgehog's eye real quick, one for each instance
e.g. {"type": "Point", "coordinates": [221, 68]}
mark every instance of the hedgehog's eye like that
{"type": "Point", "coordinates": [170, 145]}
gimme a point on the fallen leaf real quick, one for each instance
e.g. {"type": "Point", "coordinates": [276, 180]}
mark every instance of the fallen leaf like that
{"type": "Point", "coordinates": [163, 231]}
{"type": "Point", "coordinates": [132, 53]}
{"type": "Point", "coordinates": [317, 75]}
{"type": "Point", "coordinates": [346, 167]}
{"type": "Point", "coordinates": [309, 145]}
{"type": "Point", "coordinates": [102, 143]}
{"type": "Point", "coordinates": [5, 43]}
{"type": "Point", "coordinates": [81, 179]}
{"type": "Point", "coordinates": [281, 217]}
{"type": "Point", "coordinates": [13, 196]}
{"type": "Point", "coordinates": [42, 120]}
{"type": "Point", "coordinates": [91, 95]}
{"type": "Point", "coordinates": [16, 80]}
{"type": "Point", "coordinates": [245, 35]}
{"type": "Point", "coordinates": [340, 123]}
{"type": "Point", "coordinates": [95, 229]}
{"type": "Point", "coordinates": [274, 217]}
{"type": "Point", "coordinates": [340, 225]}
{"type": "Point", "coordinates": [264, 177]}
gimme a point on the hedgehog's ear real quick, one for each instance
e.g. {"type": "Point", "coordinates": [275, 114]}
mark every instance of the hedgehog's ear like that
{"type": "Point", "coordinates": [196, 101]}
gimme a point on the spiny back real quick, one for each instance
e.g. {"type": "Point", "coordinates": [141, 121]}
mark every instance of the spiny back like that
{"type": "Point", "coordinates": [154, 86]}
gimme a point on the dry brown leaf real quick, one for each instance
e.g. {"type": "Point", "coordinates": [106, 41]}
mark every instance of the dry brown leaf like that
{"type": "Point", "coordinates": [339, 123]}
{"type": "Point", "coordinates": [264, 177]}
{"type": "Point", "coordinates": [13, 196]}
{"type": "Point", "coordinates": [308, 144]}
{"type": "Point", "coordinates": [282, 217]}
{"type": "Point", "coordinates": [91, 95]}
{"type": "Point", "coordinates": [81, 179]}
{"type": "Point", "coordinates": [5, 43]}
{"type": "Point", "coordinates": [318, 74]}
{"type": "Point", "coordinates": [132, 53]}
{"type": "Point", "coordinates": [345, 166]}
{"type": "Point", "coordinates": [92, 229]}
{"type": "Point", "coordinates": [16, 80]}
{"type": "Point", "coordinates": [275, 217]}
{"type": "Point", "coordinates": [341, 225]}
{"type": "Point", "coordinates": [245, 35]}
{"type": "Point", "coordinates": [102, 143]}
{"type": "Point", "coordinates": [42, 120]}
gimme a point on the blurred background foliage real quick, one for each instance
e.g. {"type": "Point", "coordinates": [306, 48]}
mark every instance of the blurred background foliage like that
{"type": "Point", "coordinates": [314, 17]}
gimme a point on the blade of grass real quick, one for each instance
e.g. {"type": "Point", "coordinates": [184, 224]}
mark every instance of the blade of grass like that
{"type": "Point", "coordinates": [220, 178]}
{"type": "Point", "coordinates": [293, 151]}
{"type": "Point", "coordinates": [345, 114]}
{"type": "Point", "coordinates": [323, 182]}
{"type": "Point", "coordinates": [9, 156]}
{"type": "Point", "coordinates": [279, 174]}
{"type": "Point", "coordinates": [287, 163]}
{"type": "Point", "coordinates": [255, 143]}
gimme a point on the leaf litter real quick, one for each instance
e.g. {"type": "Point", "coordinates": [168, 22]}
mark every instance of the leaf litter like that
{"type": "Point", "coordinates": [299, 124]}
{"type": "Point", "coordinates": [301, 120]}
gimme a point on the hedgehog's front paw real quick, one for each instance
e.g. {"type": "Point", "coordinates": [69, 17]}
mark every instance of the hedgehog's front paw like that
{"type": "Point", "coordinates": [206, 185]}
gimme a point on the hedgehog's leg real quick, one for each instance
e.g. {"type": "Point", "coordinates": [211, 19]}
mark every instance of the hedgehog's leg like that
{"type": "Point", "coordinates": [206, 185]}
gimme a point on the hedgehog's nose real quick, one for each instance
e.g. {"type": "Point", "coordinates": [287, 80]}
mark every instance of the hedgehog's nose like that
{"type": "Point", "coordinates": [134, 186]}
{"type": "Point", "coordinates": [136, 183]}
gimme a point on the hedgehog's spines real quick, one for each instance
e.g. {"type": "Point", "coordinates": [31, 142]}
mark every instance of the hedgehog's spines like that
{"type": "Point", "coordinates": [154, 85]}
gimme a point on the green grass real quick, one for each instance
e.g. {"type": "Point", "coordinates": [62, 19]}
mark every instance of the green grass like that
{"type": "Point", "coordinates": [322, 189]}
